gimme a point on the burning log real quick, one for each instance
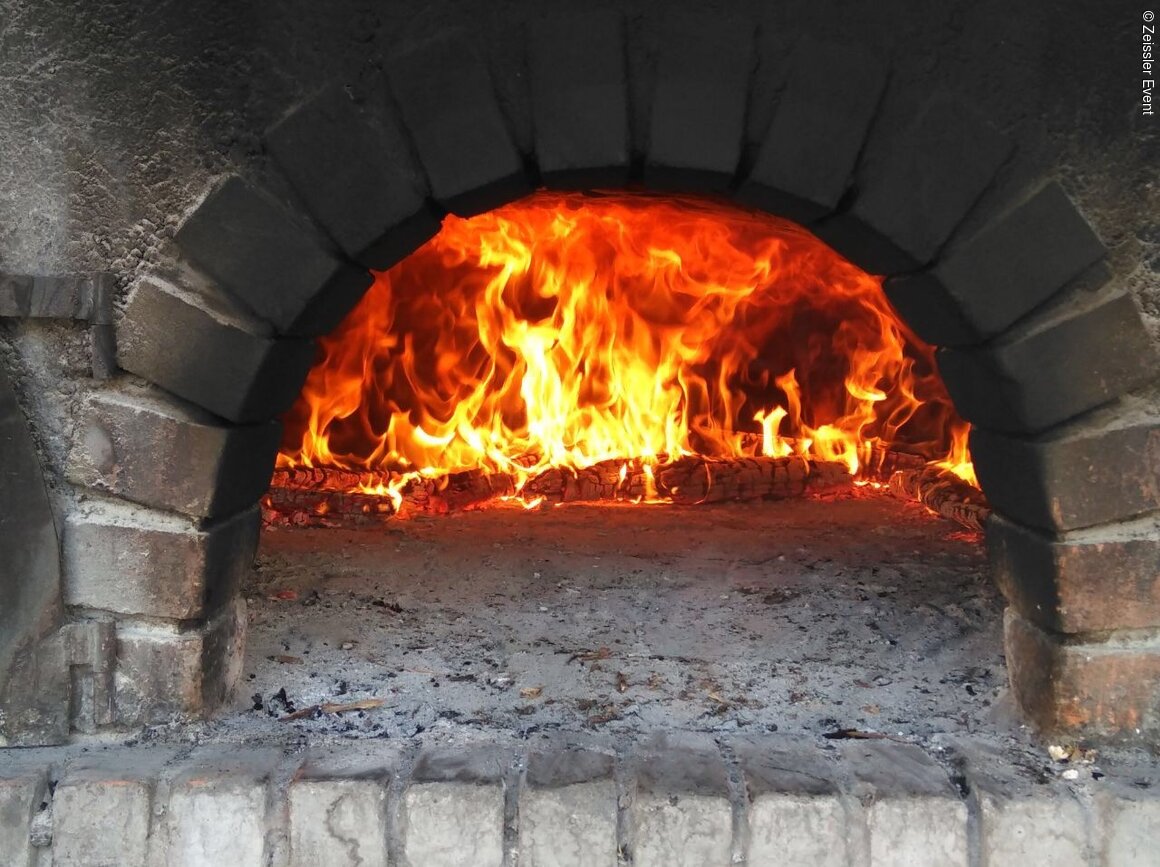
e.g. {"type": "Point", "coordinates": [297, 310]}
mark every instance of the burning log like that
{"type": "Point", "coordinates": [943, 493]}
{"type": "Point", "coordinates": [322, 496]}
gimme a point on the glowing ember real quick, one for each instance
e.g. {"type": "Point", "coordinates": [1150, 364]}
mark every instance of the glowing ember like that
{"type": "Point", "coordinates": [567, 330]}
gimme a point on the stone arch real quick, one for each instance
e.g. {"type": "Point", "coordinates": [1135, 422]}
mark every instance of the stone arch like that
{"type": "Point", "coordinates": [1040, 345]}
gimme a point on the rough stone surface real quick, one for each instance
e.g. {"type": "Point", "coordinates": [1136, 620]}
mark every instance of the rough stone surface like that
{"type": "Point", "coordinates": [1108, 688]}
{"type": "Point", "coordinates": [1054, 368]}
{"type": "Point", "coordinates": [698, 106]}
{"type": "Point", "coordinates": [272, 262]}
{"type": "Point", "coordinates": [1084, 581]}
{"type": "Point", "coordinates": [681, 815]}
{"type": "Point", "coordinates": [1100, 468]}
{"type": "Point", "coordinates": [168, 339]}
{"type": "Point", "coordinates": [160, 453]}
{"type": "Point", "coordinates": [1003, 272]}
{"type": "Point", "coordinates": [796, 814]}
{"type": "Point", "coordinates": [21, 792]}
{"type": "Point", "coordinates": [579, 96]}
{"type": "Point", "coordinates": [450, 824]}
{"type": "Point", "coordinates": [916, 183]}
{"type": "Point", "coordinates": [568, 809]}
{"type": "Point", "coordinates": [165, 675]}
{"type": "Point", "coordinates": [806, 161]}
{"type": "Point", "coordinates": [123, 559]}
{"type": "Point", "coordinates": [217, 809]}
{"type": "Point", "coordinates": [334, 823]}
{"type": "Point", "coordinates": [912, 814]}
{"type": "Point", "coordinates": [357, 174]}
{"type": "Point", "coordinates": [1131, 825]}
{"type": "Point", "coordinates": [101, 812]}
{"type": "Point", "coordinates": [444, 91]}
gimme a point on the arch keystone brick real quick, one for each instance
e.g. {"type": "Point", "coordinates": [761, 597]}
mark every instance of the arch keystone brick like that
{"type": "Point", "coordinates": [273, 262]}
{"type": "Point", "coordinates": [806, 161]}
{"type": "Point", "coordinates": [697, 124]}
{"type": "Point", "coordinates": [579, 93]}
{"type": "Point", "coordinates": [445, 94]}
{"type": "Point", "coordinates": [357, 175]}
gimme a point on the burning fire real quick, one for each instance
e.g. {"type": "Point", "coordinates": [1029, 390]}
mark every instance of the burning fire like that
{"type": "Point", "coordinates": [569, 329]}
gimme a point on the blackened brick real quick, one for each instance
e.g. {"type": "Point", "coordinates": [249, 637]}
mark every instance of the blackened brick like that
{"type": "Point", "coordinates": [171, 456]}
{"type": "Point", "coordinates": [697, 125]}
{"type": "Point", "coordinates": [915, 183]}
{"type": "Point", "coordinates": [1000, 274]}
{"type": "Point", "coordinates": [1091, 580]}
{"type": "Point", "coordinates": [1051, 370]}
{"type": "Point", "coordinates": [806, 161]}
{"type": "Point", "coordinates": [1102, 467]}
{"type": "Point", "coordinates": [170, 340]}
{"type": "Point", "coordinates": [357, 175]}
{"type": "Point", "coordinates": [580, 99]}
{"type": "Point", "coordinates": [444, 91]}
{"type": "Point", "coordinates": [270, 260]}
{"type": "Point", "coordinates": [1100, 688]}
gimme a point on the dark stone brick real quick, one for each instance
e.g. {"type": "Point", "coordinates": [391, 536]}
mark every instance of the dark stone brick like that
{"type": "Point", "coordinates": [170, 340]}
{"type": "Point", "coordinates": [357, 175]}
{"type": "Point", "coordinates": [1089, 580]}
{"type": "Point", "coordinates": [697, 125]}
{"type": "Point", "coordinates": [806, 161]}
{"type": "Point", "coordinates": [33, 690]}
{"type": "Point", "coordinates": [445, 93]}
{"type": "Point", "coordinates": [122, 558]}
{"type": "Point", "coordinates": [270, 260]}
{"type": "Point", "coordinates": [914, 184]}
{"type": "Point", "coordinates": [1052, 369]}
{"type": "Point", "coordinates": [1100, 468]}
{"type": "Point", "coordinates": [171, 456]}
{"type": "Point", "coordinates": [682, 764]}
{"type": "Point", "coordinates": [1107, 689]}
{"type": "Point", "coordinates": [480, 765]}
{"type": "Point", "coordinates": [580, 99]}
{"type": "Point", "coordinates": [1000, 274]}
{"type": "Point", "coordinates": [568, 766]}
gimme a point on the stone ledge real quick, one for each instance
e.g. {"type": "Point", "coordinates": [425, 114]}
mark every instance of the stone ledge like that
{"type": "Point", "coordinates": [851, 802]}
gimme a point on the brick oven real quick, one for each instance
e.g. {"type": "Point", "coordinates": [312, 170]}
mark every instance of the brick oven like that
{"type": "Point", "coordinates": [196, 198]}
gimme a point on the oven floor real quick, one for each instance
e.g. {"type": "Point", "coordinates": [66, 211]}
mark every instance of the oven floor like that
{"type": "Point", "coordinates": [804, 616]}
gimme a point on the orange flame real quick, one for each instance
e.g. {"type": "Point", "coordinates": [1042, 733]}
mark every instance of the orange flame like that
{"type": "Point", "coordinates": [567, 329]}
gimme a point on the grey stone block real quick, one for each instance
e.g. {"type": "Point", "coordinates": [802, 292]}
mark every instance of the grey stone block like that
{"type": "Point", "coordinates": [913, 815]}
{"type": "Point", "coordinates": [796, 814]}
{"type": "Point", "coordinates": [271, 261]}
{"type": "Point", "coordinates": [681, 815]}
{"type": "Point", "coordinates": [122, 558]}
{"type": "Point", "coordinates": [568, 810]}
{"type": "Point", "coordinates": [336, 823]}
{"type": "Point", "coordinates": [1053, 369]}
{"type": "Point", "coordinates": [217, 808]}
{"type": "Point", "coordinates": [452, 810]}
{"type": "Point", "coordinates": [102, 808]}
{"type": "Point", "coordinates": [1130, 815]}
{"type": "Point", "coordinates": [445, 94]}
{"type": "Point", "coordinates": [579, 93]}
{"type": "Point", "coordinates": [1102, 467]}
{"type": "Point", "coordinates": [1000, 274]}
{"type": "Point", "coordinates": [165, 675]}
{"type": "Point", "coordinates": [916, 182]}
{"type": "Point", "coordinates": [22, 790]}
{"type": "Point", "coordinates": [356, 173]}
{"type": "Point", "coordinates": [697, 125]}
{"type": "Point", "coordinates": [806, 160]}
{"type": "Point", "coordinates": [166, 337]}
{"type": "Point", "coordinates": [160, 453]}
{"type": "Point", "coordinates": [1022, 822]}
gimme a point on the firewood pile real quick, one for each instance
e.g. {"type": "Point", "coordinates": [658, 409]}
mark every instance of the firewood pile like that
{"type": "Point", "coordinates": [331, 497]}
